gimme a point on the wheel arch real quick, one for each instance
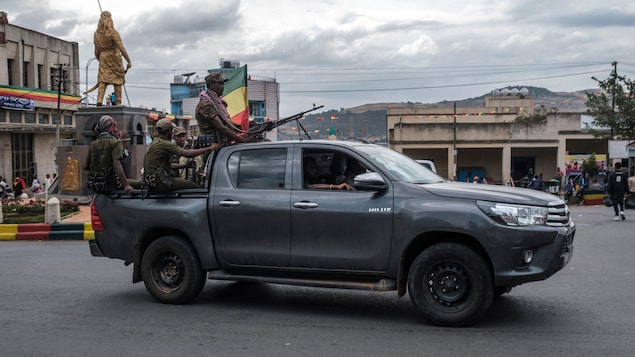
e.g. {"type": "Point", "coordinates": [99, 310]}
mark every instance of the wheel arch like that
{"type": "Point", "coordinates": [428, 239]}
{"type": "Point", "coordinates": [145, 241]}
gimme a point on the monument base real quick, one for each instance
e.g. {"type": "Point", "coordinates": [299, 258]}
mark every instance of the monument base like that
{"type": "Point", "coordinates": [71, 155]}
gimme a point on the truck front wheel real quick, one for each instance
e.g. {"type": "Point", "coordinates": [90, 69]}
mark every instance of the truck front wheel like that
{"type": "Point", "coordinates": [171, 271]}
{"type": "Point", "coordinates": [451, 285]}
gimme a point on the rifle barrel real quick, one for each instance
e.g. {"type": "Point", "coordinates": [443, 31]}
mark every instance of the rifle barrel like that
{"type": "Point", "coordinates": [268, 126]}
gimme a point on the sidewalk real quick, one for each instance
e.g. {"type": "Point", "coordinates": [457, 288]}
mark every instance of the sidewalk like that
{"type": "Point", "coordinates": [82, 216]}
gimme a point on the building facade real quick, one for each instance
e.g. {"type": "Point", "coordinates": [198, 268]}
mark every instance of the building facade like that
{"type": "Point", "coordinates": [39, 94]}
{"type": "Point", "coordinates": [506, 138]}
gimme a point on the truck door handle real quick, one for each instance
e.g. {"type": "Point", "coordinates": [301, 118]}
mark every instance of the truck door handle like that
{"type": "Point", "coordinates": [229, 203]}
{"type": "Point", "coordinates": [305, 205]}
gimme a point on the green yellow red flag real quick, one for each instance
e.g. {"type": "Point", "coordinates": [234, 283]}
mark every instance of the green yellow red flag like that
{"type": "Point", "coordinates": [235, 94]}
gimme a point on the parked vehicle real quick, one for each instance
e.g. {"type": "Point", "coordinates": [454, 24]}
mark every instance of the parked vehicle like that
{"type": "Point", "coordinates": [429, 164]}
{"type": "Point", "coordinates": [451, 246]}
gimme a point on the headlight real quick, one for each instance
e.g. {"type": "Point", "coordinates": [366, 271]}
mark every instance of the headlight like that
{"type": "Point", "coordinates": [515, 215]}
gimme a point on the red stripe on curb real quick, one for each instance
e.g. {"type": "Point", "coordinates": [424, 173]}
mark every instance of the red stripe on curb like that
{"type": "Point", "coordinates": [34, 227]}
{"type": "Point", "coordinates": [32, 236]}
{"type": "Point", "coordinates": [45, 231]}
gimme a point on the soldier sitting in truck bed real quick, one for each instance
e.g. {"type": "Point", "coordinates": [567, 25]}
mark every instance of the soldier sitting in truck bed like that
{"type": "Point", "coordinates": [157, 174]}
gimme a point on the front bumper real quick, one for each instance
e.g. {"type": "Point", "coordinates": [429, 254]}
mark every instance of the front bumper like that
{"type": "Point", "coordinates": [552, 249]}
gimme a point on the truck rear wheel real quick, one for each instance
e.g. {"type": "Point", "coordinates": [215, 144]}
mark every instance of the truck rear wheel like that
{"type": "Point", "coordinates": [171, 271]}
{"type": "Point", "coordinates": [451, 285]}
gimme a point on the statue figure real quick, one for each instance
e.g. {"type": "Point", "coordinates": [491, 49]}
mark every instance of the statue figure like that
{"type": "Point", "coordinates": [108, 51]}
{"type": "Point", "coordinates": [70, 177]}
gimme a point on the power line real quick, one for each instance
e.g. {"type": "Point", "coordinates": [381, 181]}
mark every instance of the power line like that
{"type": "Point", "coordinates": [413, 73]}
{"type": "Point", "coordinates": [435, 86]}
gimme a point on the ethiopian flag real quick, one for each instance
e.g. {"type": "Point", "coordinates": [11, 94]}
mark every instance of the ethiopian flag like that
{"type": "Point", "coordinates": [235, 94]}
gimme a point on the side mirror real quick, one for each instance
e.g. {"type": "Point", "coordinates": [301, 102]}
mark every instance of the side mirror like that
{"type": "Point", "coordinates": [370, 181]}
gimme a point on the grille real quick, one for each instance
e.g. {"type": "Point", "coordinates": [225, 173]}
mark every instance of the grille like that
{"type": "Point", "coordinates": [558, 214]}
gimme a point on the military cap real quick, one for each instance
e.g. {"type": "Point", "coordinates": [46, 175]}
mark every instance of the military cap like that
{"type": "Point", "coordinates": [178, 130]}
{"type": "Point", "coordinates": [215, 77]}
{"type": "Point", "coordinates": [164, 125]}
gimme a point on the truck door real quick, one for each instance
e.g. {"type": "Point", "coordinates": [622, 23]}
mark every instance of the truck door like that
{"type": "Point", "coordinates": [338, 230]}
{"type": "Point", "coordinates": [250, 207]}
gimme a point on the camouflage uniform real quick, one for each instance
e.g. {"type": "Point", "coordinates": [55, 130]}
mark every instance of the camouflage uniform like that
{"type": "Point", "coordinates": [158, 175]}
{"type": "Point", "coordinates": [101, 174]}
{"type": "Point", "coordinates": [205, 112]}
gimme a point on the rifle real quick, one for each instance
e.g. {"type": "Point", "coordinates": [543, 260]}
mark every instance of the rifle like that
{"type": "Point", "coordinates": [259, 129]}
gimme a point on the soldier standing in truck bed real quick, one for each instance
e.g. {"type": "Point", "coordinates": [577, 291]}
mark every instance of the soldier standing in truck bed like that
{"type": "Point", "coordinates": [212, 116]}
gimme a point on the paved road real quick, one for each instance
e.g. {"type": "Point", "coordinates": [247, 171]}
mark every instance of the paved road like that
{"type": "Point", "coordinates": [57, 300]}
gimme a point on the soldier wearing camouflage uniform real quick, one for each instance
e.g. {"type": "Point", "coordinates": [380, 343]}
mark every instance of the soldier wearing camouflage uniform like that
{"type": "Point", "coordinates": [212, 116]}
{"type": "Point", "coordinates": [158, 176]}
{"type": "Point", "coordinates": [103, 162]}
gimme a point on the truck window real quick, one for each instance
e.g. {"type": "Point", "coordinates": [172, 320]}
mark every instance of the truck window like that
{"type": "Point", "coordinates": [329, 168]}
{"type": "Point", "coordinates": [257, 168]}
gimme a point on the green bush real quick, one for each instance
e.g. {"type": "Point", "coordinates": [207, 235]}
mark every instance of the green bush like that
{"type": "Point", "coordinates": [33, 212]}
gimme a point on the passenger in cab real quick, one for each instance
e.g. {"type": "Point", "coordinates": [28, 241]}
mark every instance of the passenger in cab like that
{"type": "Point", "coordinates": [312, 180]}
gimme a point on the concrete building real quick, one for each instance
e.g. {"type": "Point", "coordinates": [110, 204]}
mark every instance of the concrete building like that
{"type": "Point", "coordinates": [263, 95]}
{"type": "Point", "coordinates": [38, 75]}
{"type": "Point", "coordinates": [507, 137]}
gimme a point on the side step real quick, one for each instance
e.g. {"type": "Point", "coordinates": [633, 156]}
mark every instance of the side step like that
{"type": "Point", "coordinates": [379, 285]}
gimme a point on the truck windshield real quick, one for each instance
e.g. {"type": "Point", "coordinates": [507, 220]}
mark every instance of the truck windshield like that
{"type": "Point", "coordinates": [399, 166]}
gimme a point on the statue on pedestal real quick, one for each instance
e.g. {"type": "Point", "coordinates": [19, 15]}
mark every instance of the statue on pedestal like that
{"type": "Point", "coordinates": [109, 51]}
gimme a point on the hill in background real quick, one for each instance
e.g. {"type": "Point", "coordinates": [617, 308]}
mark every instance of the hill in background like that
{"type": "Point", "coordinates": [368, 121]}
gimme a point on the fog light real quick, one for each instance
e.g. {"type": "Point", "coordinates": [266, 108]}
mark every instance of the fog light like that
{"type": "Point", "coordinates": [528, 255]}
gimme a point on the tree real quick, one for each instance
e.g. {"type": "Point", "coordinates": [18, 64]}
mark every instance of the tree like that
{"type": "Point", "coordinates": [590, 166]}
{"type": "Point", "coordinates": [613, 108]}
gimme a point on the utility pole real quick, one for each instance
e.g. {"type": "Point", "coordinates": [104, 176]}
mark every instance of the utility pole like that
{"type": "Point", "coordinates": [59, 100]}
{"type": "Point", "coordinates": [454, 153]}
{"type": "Point", "coordinates": [60, 79]}
{"type": "Point", "coordinates": [613, 85]}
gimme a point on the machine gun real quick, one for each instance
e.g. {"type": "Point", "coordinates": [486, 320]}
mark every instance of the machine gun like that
{"type": "Point", "coordinates": [260, 129]}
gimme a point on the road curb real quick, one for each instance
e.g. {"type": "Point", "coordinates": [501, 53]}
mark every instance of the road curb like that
{"type": "Point", "coordinates": [45, 231]}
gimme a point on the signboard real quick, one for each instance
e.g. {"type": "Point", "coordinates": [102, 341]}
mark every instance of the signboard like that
{"type": "Point", "coordinates": [573, 163]}
{"type": "Point", "coordinates": [16, 103]}
{"type": "Point", "coordinates": [618, 149]}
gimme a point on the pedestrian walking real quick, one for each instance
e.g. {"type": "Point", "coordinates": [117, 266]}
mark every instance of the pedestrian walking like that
{"type": "Point", "coordinates": [617, 189]}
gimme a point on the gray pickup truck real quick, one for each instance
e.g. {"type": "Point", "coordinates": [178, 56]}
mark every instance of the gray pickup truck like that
{"type": "Point", "coordinates": [452, 246]}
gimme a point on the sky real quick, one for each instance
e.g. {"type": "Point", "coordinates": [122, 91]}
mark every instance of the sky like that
{"type": "Point", "coordinates": [343, 54]}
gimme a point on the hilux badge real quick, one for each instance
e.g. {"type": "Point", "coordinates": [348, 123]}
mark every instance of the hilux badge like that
{"type": "Point", "coordinates": [379, 209]}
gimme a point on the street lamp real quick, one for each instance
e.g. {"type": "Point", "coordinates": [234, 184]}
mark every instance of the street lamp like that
{"type": "Point", "coordinates": [88, 64]}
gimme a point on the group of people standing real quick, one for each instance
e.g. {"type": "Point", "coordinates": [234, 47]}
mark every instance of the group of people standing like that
{"type": "Point", "coordinates": [15, 188]}
{"type": "Point", "coordinates": [620, 189]}
{"type": "Point", "coordinates": [161, 162]}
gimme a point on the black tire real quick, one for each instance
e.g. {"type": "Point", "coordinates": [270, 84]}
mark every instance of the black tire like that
{"type": "Point", "coordinates": [171, 271]}
{"type": "Point", "coordinates": [451, 285]}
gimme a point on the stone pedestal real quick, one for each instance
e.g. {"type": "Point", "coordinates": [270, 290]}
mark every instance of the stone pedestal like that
{"type": "Point", "coordinates": [71, 155]}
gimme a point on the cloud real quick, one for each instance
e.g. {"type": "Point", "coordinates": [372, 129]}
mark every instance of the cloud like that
{"type": "Point", "coordinates": [423, 45]}
{"type": "Point", "coordinates": [185, 25]}
{"type": "Point", "coordinates": [343, 54]}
